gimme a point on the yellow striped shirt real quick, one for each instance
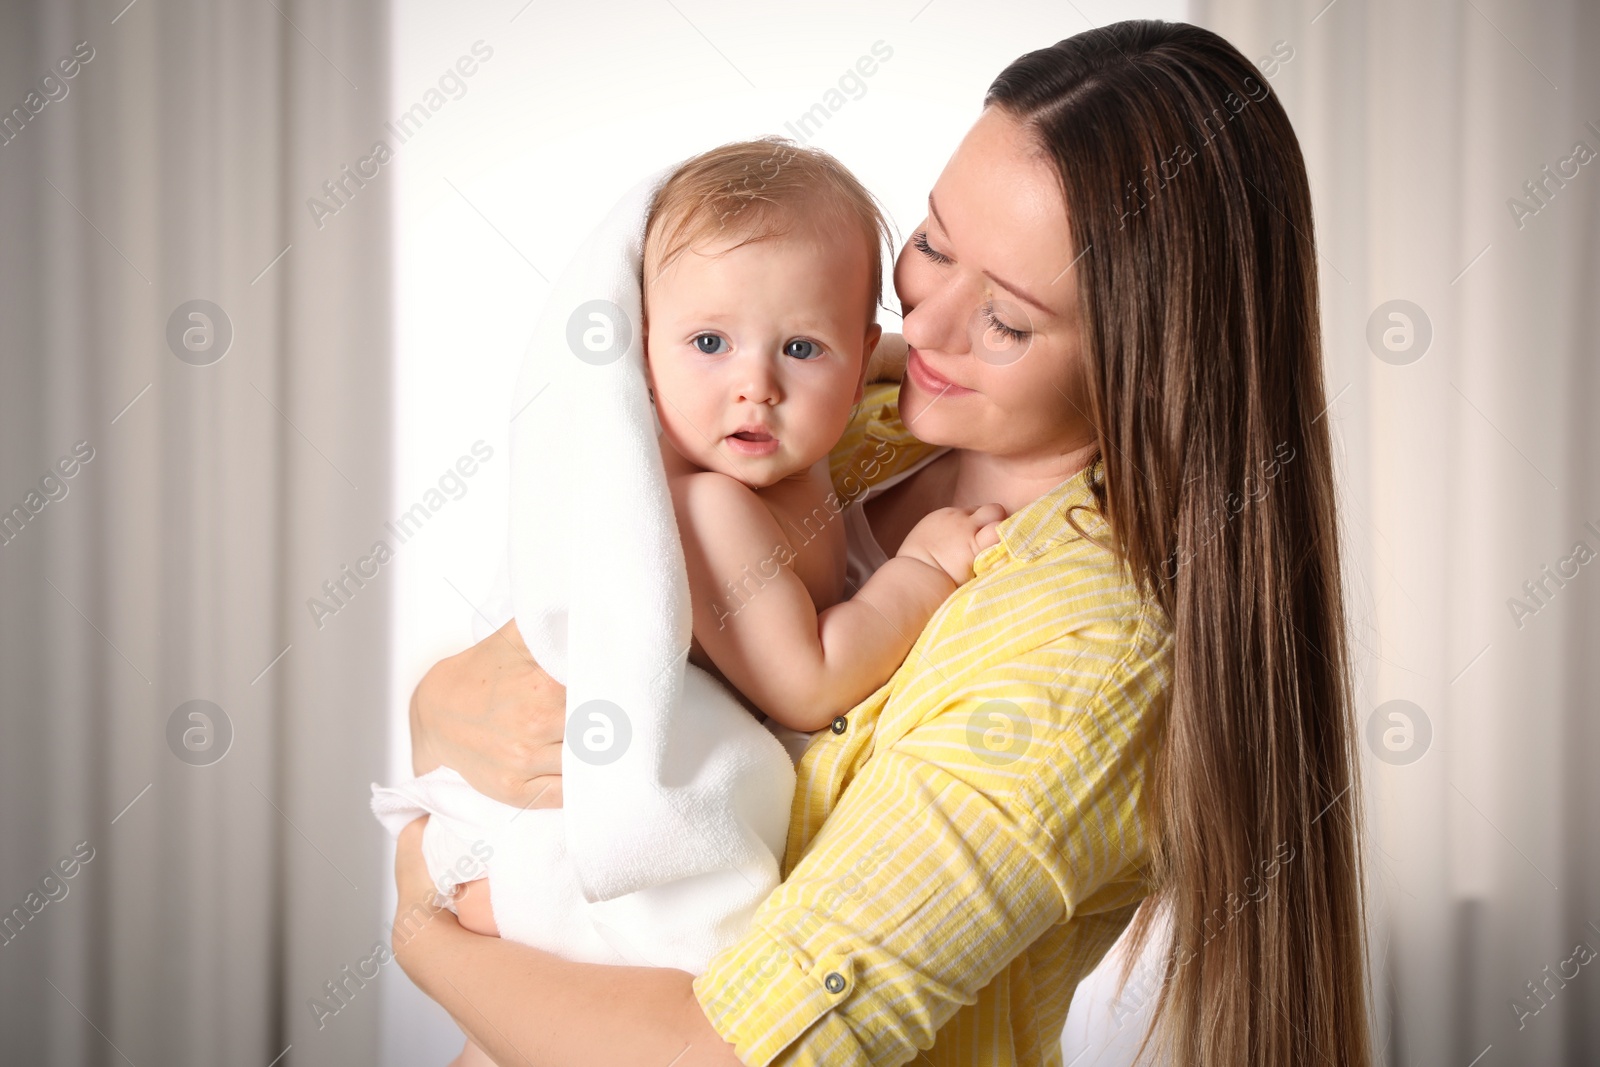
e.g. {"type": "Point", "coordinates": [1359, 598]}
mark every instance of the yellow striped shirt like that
{"type": "Point", "coordinates": [968, 843]}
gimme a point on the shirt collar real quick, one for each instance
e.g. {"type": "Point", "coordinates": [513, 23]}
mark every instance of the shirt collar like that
{"type": "Point", "coordinates": [1042, 524]}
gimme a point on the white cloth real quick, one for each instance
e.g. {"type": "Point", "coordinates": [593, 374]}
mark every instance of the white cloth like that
{"type": "Point", "coordinates": [676, 799]}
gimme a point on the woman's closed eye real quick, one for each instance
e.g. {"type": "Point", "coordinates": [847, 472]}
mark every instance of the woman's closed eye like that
{"type": "Point", "coordinates": [1009, 331]}
{"type": "Point", "coordinates": [919, 240]}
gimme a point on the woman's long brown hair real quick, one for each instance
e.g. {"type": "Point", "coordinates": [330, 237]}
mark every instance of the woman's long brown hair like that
{"type": "Point", "coordinates": [1189, 205]}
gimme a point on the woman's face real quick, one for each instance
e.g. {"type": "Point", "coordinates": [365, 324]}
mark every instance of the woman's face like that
{"type": "Point", "coordinates": [991, 305]}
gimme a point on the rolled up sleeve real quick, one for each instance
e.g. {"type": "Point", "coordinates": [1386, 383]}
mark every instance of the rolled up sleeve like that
{"type": "Point", "coordinates": [956, 846]}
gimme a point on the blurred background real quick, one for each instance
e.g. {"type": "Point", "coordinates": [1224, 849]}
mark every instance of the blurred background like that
{"type": "Point", "coordinates": [266, 273]}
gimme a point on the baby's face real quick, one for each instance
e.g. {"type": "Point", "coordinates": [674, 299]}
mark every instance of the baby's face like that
{"type": "Point", "coordinates": [757, 353]}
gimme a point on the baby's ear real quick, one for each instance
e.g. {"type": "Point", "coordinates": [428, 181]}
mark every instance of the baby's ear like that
{"type": "Point", "coordinates": [869, 345]}
{"type": "Point", "coordinates": [874, 335]}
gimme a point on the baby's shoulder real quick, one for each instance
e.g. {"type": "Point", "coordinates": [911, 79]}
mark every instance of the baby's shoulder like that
{"type": "Point", "coordinates": [729, 530]}
{"type": "Point", "coordinates": [717, 509]}
{"type": "Point", "coordinates": [710, 485]}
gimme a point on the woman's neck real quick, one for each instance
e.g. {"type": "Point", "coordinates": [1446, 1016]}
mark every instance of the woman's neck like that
{"type": "Point", "coordinates": [1012, 481]}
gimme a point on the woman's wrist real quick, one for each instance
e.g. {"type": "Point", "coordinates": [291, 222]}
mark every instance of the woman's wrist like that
{"type": "Point", "coordinates": [421, 926]}
{"type": "Point", "coordinates": [524, 1005]}
{"type": "Point", "coordinates": [417, 926]}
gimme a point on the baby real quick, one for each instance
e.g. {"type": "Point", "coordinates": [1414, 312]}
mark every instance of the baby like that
{"type": "Point", "coordinates": [762, 271]}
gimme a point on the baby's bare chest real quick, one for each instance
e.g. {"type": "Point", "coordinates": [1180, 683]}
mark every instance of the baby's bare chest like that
{"type": "Point", "coordinates": [816, 536]}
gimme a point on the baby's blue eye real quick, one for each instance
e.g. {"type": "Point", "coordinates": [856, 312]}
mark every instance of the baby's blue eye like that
{"type": "Point", "coordinates": [711, 348]}
{"type": "Point", "coordinates": [800, 349]}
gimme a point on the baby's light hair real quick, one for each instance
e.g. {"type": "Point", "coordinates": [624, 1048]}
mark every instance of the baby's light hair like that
{"type": "Point", "coordinates": [759, 189]}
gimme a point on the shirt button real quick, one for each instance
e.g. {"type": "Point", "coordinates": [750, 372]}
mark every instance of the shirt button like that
{"type": "Point", "coordinates": [834, 982]}
{"type": "Point", "coordinates": [838, 728]}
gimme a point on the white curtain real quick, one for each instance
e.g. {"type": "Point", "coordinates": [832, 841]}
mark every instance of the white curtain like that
{"type": "Point", "coordinates": [173, 497]}
{"type": "Point", "coordinates": [1471, 463]}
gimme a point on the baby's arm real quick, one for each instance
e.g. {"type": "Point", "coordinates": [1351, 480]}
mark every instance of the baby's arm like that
{"type": "Point", "coordinates": [765, 634]}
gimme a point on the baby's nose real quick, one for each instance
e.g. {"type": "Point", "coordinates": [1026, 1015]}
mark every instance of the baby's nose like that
{"type": "Point", "coordinates": [759, 383]}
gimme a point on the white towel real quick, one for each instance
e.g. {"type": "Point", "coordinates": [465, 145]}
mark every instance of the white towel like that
{"type": "Point", "coordinates": [676, 797]}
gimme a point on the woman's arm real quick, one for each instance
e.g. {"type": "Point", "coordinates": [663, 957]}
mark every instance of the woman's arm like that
{"type": "Point", "coordinates": [1002, 812]}
{"type": "Point", "coordinates": [528, 1007]}
{"type": "Point", "coordinates": [951, 852]}
{"type": "Point", "coordinates": [494, 716]}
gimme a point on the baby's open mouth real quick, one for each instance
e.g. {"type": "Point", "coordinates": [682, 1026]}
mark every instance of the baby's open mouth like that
{"type": "Point", "coordinates": [752, 441]}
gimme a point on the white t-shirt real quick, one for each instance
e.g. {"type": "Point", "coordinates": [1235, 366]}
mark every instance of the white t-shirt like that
{"type": "Point", "coordinates": [862, 552]}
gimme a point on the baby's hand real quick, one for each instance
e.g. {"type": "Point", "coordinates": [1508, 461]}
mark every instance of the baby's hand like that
{"type": "Point", "coordinates": [951, 538]}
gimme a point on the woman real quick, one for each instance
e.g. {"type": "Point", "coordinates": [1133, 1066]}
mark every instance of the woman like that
{"type": "Point", "coordinates": [1112, 318]}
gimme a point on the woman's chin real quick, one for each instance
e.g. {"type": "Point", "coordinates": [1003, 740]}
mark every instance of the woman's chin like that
{"type": "Point", "coordinates": [931, 419]}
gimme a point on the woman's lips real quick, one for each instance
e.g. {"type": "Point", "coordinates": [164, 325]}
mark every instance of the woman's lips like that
{"type": "Point", "coordinates": [919, 372]}
{"type": "Point", "coordinates": [752, 444]}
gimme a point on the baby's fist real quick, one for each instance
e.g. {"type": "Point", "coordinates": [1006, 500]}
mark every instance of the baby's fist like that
{"type": "Point", "coordinates": [951, 538]}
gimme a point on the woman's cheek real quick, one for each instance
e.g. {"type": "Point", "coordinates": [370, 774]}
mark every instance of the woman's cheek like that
{"type": "Point", "coordinates": [1028, 396]}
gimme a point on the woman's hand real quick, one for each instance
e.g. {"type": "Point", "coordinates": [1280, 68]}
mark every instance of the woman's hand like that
{"type": "Point", "coordinates": [495, 717]}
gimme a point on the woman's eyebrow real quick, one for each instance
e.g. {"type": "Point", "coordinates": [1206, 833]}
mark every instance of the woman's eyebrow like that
{"type": "Point", "coordinates": [1013, 289]}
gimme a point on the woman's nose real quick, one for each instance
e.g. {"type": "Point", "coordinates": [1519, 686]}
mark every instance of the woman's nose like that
{"type": "Point", "coordinates": [938, 322]}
